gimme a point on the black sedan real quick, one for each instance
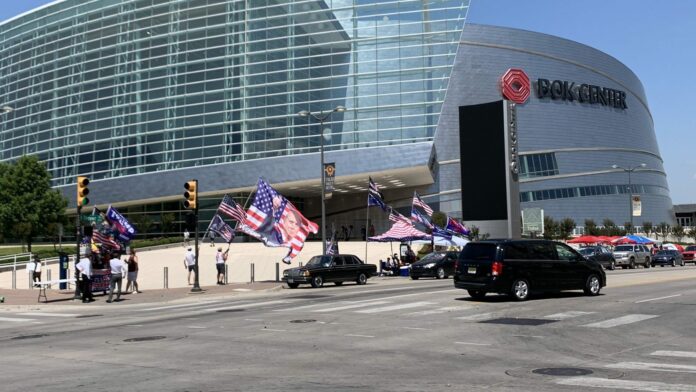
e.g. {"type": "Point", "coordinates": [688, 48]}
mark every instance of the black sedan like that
{"type": "Point", "coordinates": [437, 264]}
{"type": "Point", "coordinates": [668, 257]}
{"type": "Point", "coordinates": [336, 269]}
{"type": "Point", "coordinates": [599, 254]}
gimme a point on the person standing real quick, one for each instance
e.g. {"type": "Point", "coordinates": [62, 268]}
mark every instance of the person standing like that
{"type": "Point", "coordinates": [119, 269]}
{"type": "Point", "coordinates": [31, 266]}
{"type": "Point", "coordinates": [211, 235]}
{"type": "Point", "coordinates": [186, 237]}
{"type": "Point", "coordinates": [190, 263]}
{"type": "Point", "coordinates": [36, 276]}
{"type": "Point", "coordinates": [132, 272]}
{"type": "Point", "coordinates": [85, 268]}
{"type": "Point", "coordinates": [220, 259]}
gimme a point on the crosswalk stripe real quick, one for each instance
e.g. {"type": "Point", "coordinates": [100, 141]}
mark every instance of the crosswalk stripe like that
{"type": "Point", "coordinates": [16, 320]}
{"type": "Point", "coordinates": [476, 317]}
{"type": "Point", "coordinates": [353, 306]}
{"type": "Point", "coordinates": [307, 306]}
{"type": "Point", "coordinates": [681, 354]}
{"type": "Point", "coordinates": [567, 315]}
{"type": "Point", "coordinates": [649, 386]}
{"type": "Point", "coordinates": [178, 306]}
{"type": "Point", "coordinates": [623, 320]}
{"type": "Point", "coordinates": [49, 314]}
{"type": "Point", "coordinates": [394, 307]}
{"type": "Point", "coordinates": [658, 367]}
{"type": "Point", "coordinates": [439, 310]}
{"type": "Point", "coordinates": [247, 305]}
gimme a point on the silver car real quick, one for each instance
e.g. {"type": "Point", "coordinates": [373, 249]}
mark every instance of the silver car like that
{"type": "Point", "coordinates": [631, 256]}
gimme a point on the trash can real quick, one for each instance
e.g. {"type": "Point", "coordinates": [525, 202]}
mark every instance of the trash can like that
{"type": "Point", "coordinates": [63, 262]}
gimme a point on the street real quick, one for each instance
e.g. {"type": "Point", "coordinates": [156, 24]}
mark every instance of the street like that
{"type": "Point", "coordinates": [390, 335]}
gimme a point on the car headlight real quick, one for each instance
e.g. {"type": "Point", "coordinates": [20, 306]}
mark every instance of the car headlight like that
{"type": "Point", "coordinates": [306, 273]}
{"type": "Point", "coordinates": [429, 265]}
{"type": "Point", "coordinates": [286, 273]}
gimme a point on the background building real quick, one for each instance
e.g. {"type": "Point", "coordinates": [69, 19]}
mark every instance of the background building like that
{"type": "Point", "coordinates": [143, 95]}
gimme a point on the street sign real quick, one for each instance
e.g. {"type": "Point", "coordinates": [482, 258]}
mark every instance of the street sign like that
{"type": "Point", "coordinates": [532, 221]}
{"type": "Point", "coordinates": [88, 218]}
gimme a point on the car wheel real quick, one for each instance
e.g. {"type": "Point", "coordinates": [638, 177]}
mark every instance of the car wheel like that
{"type": "Point", "coordinates": [682, 263]}
{"type": "Point", "coordinates": [440, 273]}
{"type": "Point", "coordinates": [293, 285]}
{"type": "Point", "coordinates": [612, 265]}
{"type": "Point", "coordinates": [632, 264]}
{"type": "Point", "coordinates": [520, 289]}
{"type": "Point", "coordinates": [338, 283]}
{"type": "Point", "coordinates": [317, 281]}
{"type": "Point", "coordinates": [414, 277]}
{"type": "Point", "coordinates": [592, 285]}
{"type": "Point", "coordinates": [362, 279]}
{"type": "Point", "coordinates": [674, 263]}
{"type": "Point", "coordinates": [476, 294]}
{"type": "Point", "coordinates": [647, 262]}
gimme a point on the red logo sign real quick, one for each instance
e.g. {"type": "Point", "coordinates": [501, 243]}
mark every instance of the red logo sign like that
{"type": "Point", "coordinates": [515, 85]}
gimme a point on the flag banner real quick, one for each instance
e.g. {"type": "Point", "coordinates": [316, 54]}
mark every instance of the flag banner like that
{"type": "Point", "coordinates": [219, 227]}
{"type": "Point", "coordinates": [120, 225]}
{"type": "Point", "coordinates": [105, 240]}
{"type": "Point", "coordinates": [635, 205]}
{"type": "Point", "coordinates": [332, 245]}
{"type": "Point", "coordinates": [438, 232]}
{"type": "Point", "coordinates": [395, 216]}
{"type": "Point", "coordinates": [329, 177]}
{"type": "Point", "coordinates": [417, 201]}
{"type": "Point", "coordinates": [374, 196]}
{"type": "Point", "coordinates": [274, 220]}
{"type": "Point", "coordinates": [456, 227]}
{"type": "Point", "coordinates": [232, 209]}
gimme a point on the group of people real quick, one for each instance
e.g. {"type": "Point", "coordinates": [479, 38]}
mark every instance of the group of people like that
{"type": "Point", "coordinates": [394, 263]}
{"type": "Point", "coordinates": [220, 260]}
{"type": "Point", "coordinates": [119, 269]}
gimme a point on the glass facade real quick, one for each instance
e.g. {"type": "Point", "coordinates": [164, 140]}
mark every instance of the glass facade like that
{"type": "Point", "coordinates": [538, 165]}
{"type": "Point", "coordinates": [111, 88]}
{"type": "Point", "coordinates": [592, 190]}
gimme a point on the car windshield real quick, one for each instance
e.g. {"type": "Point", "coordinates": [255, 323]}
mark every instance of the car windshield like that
{"type": "Point", "coordinates": [664, 253]}
{"type": "Point", "coordinates": [587, 251]}
{"type": "Point", "coordinates": [319, 261]}
{"type": "Point", "coordinates": [479, 251]}
{"type": "Point", "coordinates": [431, 257]}
{"type": "Point", "coordinates": [691, 248]}
{"type": "Point", "coordinates": [624, 248]}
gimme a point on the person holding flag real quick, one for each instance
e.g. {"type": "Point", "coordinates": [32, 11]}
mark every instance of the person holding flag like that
{"type": "Point", "coordinates": [220, 260]}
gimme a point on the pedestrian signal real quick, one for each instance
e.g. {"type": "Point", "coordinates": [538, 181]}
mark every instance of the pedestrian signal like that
{"type": "Point", "coordinates": [82, 191]}
{"type": "Point", "coordinates": [190, 195]}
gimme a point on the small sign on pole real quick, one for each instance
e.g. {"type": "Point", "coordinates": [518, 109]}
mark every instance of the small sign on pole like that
{"type": "Point", "coordinates": [532, 222]}
{"type": "Point", "coordinates": [635, 202]}
{"type": "Point", "coordinates": [329, 177]}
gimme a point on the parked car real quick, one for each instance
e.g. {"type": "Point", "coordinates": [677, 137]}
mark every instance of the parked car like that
{"type": "Point", "coordinates": [689, 254]}
{"type": "Point", "coordinates": [600, 254]}
{"type": "Point", "coordinates": [518, 267]}
{"type": "Point", "coordinates": [668, 257]}
{"type": "Point", "coordinates": [437, 264]}
{"type": "Point", "coordinates": [632, 255]}
{"type": "Point", "coordinates": [335, 268]}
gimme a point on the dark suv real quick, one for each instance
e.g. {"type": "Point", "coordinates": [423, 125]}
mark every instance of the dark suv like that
{"type": "Point", "coordinates": [517, 267]}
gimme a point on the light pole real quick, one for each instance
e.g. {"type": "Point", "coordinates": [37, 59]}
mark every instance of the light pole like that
{"type": "Point", "coordinates": [6, 109]}
{"type": "Point", "coordinates": [629, 170]}
{"type": "Point", "coordinates": [321, 117]}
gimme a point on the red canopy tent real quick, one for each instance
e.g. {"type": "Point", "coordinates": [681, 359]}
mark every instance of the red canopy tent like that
{"type": "Point", "coordinates": [400, 231]}
{"type": "Point", "coordinates": [585, 239]}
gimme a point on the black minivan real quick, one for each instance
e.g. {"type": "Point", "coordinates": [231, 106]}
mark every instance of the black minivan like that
{"type": "Point", "coordinates": [518, 267]}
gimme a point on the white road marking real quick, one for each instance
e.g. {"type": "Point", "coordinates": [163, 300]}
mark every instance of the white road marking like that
{"type": "Point", "coordinates": [353, 306]}
{"type": "Point", "coordinates": [253, 320]}
{"type": "Point", "coordinates": [177, 306]}
{"type": "Point", "coordinates": [133, 325]}
{"type": "Point", "coordinates": [241, 289]}
{"type": "Point", "coordinates": [439, 310]}
{"type": "Point", "coordinates": [476, 317]}
{"type": "Point", "coordinates": [308, 306]}
{"type": "Point", "coordinates": [394, 307]}
{"type": "Point", "coordinates": [16, 320]}
{"type": "Point", "coordinates": [247, 305]}
{"type": "Point", "coordinates": [567, 315]}
{"type": "Point", "coordinates": [658, 367]}
{"type": "Point", "coordinates": [273, 330]}
{"type": "Point", "coordinates": [359, 336]}
{"type": "Point", "coordinates": [658, 298]}
{"type": "Point", "coordinates": [196, 327]}
{"type": "Point", "coordinates": [681, 354]}
{"type": "Point", "coordinates": [649, 386]}
{"type": "Point", "coordinates": [417, 328]}
{"type": "Point", "coordinates": [623, 320]}
{"type": "Point", "coordinates": [424, 293]}
{"type": "Point", "coordinates": [49, 314]}
{"type": "Point", "coordinates": [473, 344]}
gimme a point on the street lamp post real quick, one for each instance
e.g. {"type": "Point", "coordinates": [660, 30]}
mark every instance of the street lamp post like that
{"type": "Point", "coordinates": [321, 117]}
{"type": "Point", "coordinates": [630, 170]}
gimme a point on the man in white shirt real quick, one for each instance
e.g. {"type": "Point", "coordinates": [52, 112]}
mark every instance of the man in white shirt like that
{"type": "Point", "coordinates": [30, 271]}
{"type": "Point", "coordinates": [85, 268]}
{"type": "Point", "coordinates": [190, 263]}
{"type": "Point", "coordinates": [220, 259]}
{"type": "Point", "coordinates": [119, 269]}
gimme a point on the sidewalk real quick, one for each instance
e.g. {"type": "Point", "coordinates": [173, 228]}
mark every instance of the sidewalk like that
{"type": "Point", "coordinates": [65, 297]}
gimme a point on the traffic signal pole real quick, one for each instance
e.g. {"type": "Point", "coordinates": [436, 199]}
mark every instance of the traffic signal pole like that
{"type": "Point", "coordinates": [78, 236]}
{"type": "Point", "coordinates": [191, 202]}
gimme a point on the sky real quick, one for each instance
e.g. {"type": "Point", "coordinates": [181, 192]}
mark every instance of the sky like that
{"type": "Point", "coordinates": [655, 39]}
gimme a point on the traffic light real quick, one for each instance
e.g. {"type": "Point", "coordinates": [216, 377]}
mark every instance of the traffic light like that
{"type": "Point", "coordinates": [190, 195]}
{"type": "Point", "coordinates": [82, 191]}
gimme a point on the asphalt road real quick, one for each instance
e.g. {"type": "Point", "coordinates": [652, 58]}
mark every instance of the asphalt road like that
{"type": "Point", "coordinates": [390, 335]}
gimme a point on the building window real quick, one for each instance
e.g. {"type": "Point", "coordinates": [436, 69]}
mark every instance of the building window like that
{"type": "Point", "coordinates": [538, 165]}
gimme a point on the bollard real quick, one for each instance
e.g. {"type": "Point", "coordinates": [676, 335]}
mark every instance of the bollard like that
{"type": "Point", "coordinates": [48, 276]}
{"type": "Point", "coordinates": [277, 272]}
{"type": "Point", "coordinates": [166, 277]}
{"type": "Point", "coordinates": [14, 279]}
{"type": "Point", "coordinates": [252, 273]}
{"type": "Point", "coordinates": [300, 264]}
{"type": "Point", "coordinates": [226, 272]}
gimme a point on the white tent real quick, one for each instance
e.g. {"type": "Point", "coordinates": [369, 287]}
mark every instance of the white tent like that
{"type": "Point", "coordinates": [439, 241]}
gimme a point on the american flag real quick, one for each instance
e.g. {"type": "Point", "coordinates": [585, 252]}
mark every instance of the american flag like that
{"type": "Point", "coordinates": [232, 209]}
{"type": "Point", "coordinates": [332, 245]}
{"type": "Point", "coordinates": [262, 209]}
{"type": "Point", "coordinates": [105, 240]}
{"type": "Point", "coordinates": [374, 196]}
{"type": "Point", "coordinates": [219, 227]}
{"type": "Point", "coordinates": [456, 227]}
{"type": "Point", "coordinates": [438, 232]}
{"type": "Point", "coordinates": [420, 203]}
{"type": "Point", "coordinates": [395, 216]}
{"type": "Point", "coordinates": [418, 217]}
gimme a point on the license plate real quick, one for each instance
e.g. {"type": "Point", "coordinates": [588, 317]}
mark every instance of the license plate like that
{"type": "Point", "coordinates": [471, 270]}
{"type": "Point", "coordinates": [291, 280]}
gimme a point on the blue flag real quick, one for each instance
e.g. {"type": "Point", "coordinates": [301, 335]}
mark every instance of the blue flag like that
{"type": "Point", "coordinates": [374, 196]}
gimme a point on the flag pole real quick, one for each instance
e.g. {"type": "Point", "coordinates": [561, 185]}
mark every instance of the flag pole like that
{"type": "Point", "coordinates": [367, 221]}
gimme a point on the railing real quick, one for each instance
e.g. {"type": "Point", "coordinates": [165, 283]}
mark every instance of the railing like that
{"type": "Point", "coordinates": [19, 263]}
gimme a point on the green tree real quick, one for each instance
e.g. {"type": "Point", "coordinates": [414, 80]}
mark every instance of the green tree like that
{"type": "Point", "coordinates": [628, 226]}
{"type": "Point", "coordinates": [474, 232]}
{"type": "Point", "coordinates": [692, 233]}
{"type": "Point", "coordinates": [565, 228]}
{"type": "Point", "coordinates": [439, 219]}
{"type": "Point", "coordinates": [678, 232]}
{"type": "Point", "coordinates": [664, 230]}
{"type": "Point", "coordinates": [550, 228]}
{"type": "Point", "coordinates": [591, 227]}
{"type": "Point", "coordinates": [648, 228]}
{"type": "Point", "coordinates": [142, 222]}
{"type": "Point", "coordinates": [30, 203]}
{"type": "Point", "coordinates": [168, 222]}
